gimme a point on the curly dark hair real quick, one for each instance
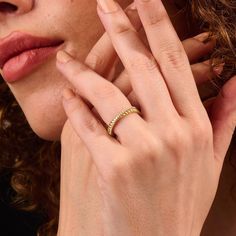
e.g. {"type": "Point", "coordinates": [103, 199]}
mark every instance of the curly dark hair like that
{"type": "Point", "coordinates": [32, 165]}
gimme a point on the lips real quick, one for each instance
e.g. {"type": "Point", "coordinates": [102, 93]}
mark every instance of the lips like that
{"type": "Point", "coordinates": [20, 53]}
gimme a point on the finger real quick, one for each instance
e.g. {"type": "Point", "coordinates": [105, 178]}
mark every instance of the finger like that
{"type": "Point", "coordinates": [208, 103]}
{"type": "Point", "coordinates": [123, 82]}
{"type": "Point", "coordinates": [75, 107]}
{"type": "Point", "coordinates": [171, 57]}
{"type": "Point", "coordinates": [223, 119]}
{"type": "Point", "coordinates": [202, 72]}
{"type": "Point", "coordinates": [145, 77]}
{"type": "Point", "coordinates": [196, 48]}
{"type": "Point", "coordinates": [102, 56]}
{"type": "Point", "coordinates": [89, 129]}
{"type": "Point", "coordinates": [133, 100]}
{"type": "Point", "coordinates": [106, 98]}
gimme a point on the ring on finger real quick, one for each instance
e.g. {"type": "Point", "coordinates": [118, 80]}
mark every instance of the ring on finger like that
{"type": "Point", "coordinates": [118, 117]}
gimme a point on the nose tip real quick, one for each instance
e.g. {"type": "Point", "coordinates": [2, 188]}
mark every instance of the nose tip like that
{"type": "Point", "coordinates": [15, 7]}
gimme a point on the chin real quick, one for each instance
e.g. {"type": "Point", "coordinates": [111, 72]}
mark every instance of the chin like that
{"type": "Point", "coordinates": [47, 128]}
{"type": "Point", "coordinates": [48, 133]}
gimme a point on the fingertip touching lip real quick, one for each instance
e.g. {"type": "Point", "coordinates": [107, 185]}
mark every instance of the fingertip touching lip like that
{"type": "Point", "coordinates": [19, 42]}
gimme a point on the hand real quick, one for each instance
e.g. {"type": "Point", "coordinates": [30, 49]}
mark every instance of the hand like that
{"type": "Point", "coordinates": [78, 203]}
{"type": "Point", "coordinates": [103, 58]}
{"type": "Point", "coordinates": [224, 117]}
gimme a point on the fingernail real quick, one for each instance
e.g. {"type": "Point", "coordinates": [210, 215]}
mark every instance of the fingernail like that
{"type": "Point", "coordinates": [63, 57]}
{"type": "Point", "coordinates": [107, 6]}
{"type": "Point", "coordinates": [203, 37]}
{"type": "Point", "coordinates": [68, 94]}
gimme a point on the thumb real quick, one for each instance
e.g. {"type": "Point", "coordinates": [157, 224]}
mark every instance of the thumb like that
{"type": "Point", "coordinates": [223, 119]}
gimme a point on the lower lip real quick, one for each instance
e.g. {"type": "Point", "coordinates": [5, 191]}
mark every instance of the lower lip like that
{"type": "Point", "coordinates": [18, 67]}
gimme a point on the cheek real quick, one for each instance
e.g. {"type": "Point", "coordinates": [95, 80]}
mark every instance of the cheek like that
{"type": "Point", "coordinates": [80, 25]}
{"type": "Point", "coordinates": [75, 21]}
{"type": "Point", "coordinates": [39, 95]}
{"type": "Point", "coordinates": [71, 16]}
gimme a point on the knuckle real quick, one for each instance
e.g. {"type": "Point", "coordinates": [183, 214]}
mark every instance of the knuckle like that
{"type": "Point", "coordinates": [156, 19]}
{"type": "Point", "coordinates": [146, 155]}
{"type": "Point", "coordinates": [118, 170]}
{"type": "Point", "coordinates": [201, 135]}
{"type": "Point", "coordinates": [119, 167]}
{"type": "Point", "coordinates": [148, 146]}
{"type": "Point", "coordinates": [174, 134]}
{"type": "Point", "coordinates": [173, 55]}
{"type": "Point", "coordinates": [201, 130]}
{"type": "Point", "coordinates": [148, 150]}
{"type": "Point", "coordinates": [122, 29]}
{"type": "Point", "coordinates": [106, 91]}
{"type": "Point", "coordinates": [90, 124]}
{"type": "Point", "coordinates": [143, 63]}
{"type": "Point", "coordinates": [175, 139]}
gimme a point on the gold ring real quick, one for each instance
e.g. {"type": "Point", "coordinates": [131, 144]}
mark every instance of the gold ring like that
{"type": "Point", "coordinates": [119, 117]}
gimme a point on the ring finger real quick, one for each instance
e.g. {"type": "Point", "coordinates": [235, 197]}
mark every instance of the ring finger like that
{"type": "Point", "coordinates": [171, 57]}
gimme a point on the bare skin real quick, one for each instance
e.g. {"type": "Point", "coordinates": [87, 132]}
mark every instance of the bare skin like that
{"type": "Point", "coordinates": [77, 23]}
{"type": "Point", "coordinates": [111, 228]}
{"type": "Point", "coordinates": [47, 97]}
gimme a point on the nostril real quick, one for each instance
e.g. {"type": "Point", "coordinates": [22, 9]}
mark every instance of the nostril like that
{"type": "Point", "coordinates": [6, 7]}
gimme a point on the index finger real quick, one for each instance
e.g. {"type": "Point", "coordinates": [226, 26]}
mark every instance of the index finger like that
{"type": "Point", "coordinates": [102, 56]}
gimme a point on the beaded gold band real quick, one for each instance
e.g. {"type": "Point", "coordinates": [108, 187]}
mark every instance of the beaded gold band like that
{"type": "Point", "coordinates": [119, 117]}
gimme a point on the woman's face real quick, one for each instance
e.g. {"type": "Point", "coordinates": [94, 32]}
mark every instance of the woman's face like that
{"type": "Point", "coordinates": [39, 92]}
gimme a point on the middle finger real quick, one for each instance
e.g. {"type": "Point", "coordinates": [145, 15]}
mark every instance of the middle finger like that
{"type": "Point", "coordinates": [145, 77]}
{"type": "Point", "coordinates": [171, 57]}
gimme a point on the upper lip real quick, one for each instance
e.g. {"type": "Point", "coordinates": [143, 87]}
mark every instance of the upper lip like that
{"type": "Point", "coordinates": [18, 42]}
